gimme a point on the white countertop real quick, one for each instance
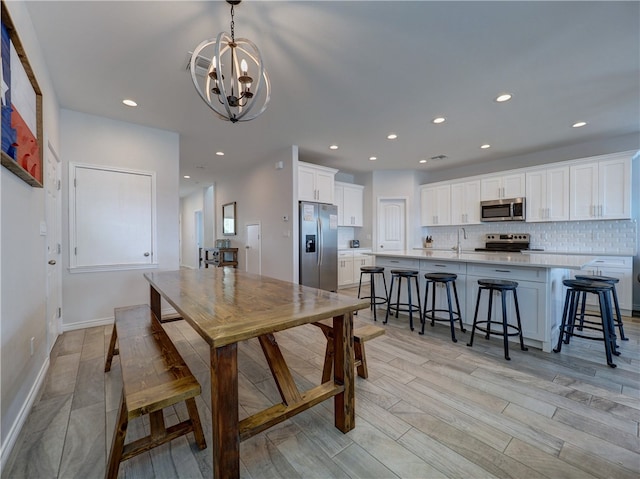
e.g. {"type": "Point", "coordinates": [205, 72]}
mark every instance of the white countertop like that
{"type": "Point", "coordinates": [533, 260]}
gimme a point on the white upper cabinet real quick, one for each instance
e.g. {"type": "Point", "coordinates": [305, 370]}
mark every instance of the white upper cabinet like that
{"type": "Point", "coordinates": [316, 183]}
{"type": "Point", "coordinates": [435, 205]}
{"type": "Point", "coordinates": [601, 189]}
{"type": "Point", "coordinates": [350, 201]}
{"type": "Point", "coordinates": [496, 187]}
{"type": "Point", "coordinates": [465, 203]}
{"type": "Point", "coordinates": [548, 194]}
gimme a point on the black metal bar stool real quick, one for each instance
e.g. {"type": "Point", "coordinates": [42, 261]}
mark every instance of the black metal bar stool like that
{"type": "Point", "coordinates": [408, 307]}
{"type": "Point", "coordinates": [372, 271]}
{"type": "Point", "coordinates": [612, 281]}
{"type": "Point", "coordinates": [570, 316]}
{"type": "Point", "coordinates": [446, 279]}
{"type": "Point", "coordinates": [502, 286]}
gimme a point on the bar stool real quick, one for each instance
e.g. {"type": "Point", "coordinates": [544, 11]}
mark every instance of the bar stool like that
{"type": "Point", "coordinates": [612, 281]}
{"type": "Point", "coordinates": [446, 279]}
{"type": "Point", "coordinates": [408, 307]}
{"type": "Point", "coordinates": [372, 271]}
{"type": "Point", "coordinates": [502, 286]}
{"type": "Point", "coordinates": [577, 288]}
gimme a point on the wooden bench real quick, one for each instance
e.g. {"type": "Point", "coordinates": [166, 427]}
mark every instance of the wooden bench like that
{"type": "Point", "coordinates": [154, 376]}
{"type": "Point", "coordinates": [360, 336]}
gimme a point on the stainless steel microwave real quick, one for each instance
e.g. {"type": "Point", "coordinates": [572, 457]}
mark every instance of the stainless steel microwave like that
{"type": "Point", "coordinates": [511, 209]}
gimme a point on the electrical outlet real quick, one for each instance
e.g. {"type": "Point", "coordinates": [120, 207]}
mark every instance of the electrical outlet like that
{"type": "Point", "coordinates": [32, 342]}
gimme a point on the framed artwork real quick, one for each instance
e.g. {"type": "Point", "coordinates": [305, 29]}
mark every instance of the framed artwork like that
{"type": "Point", "coordinates": [21, 109]}
{"type": "Point", "coordinates": [229, 219]}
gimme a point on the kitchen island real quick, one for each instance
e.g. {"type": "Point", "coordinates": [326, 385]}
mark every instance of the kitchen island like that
{"type": "Point", "coordinates": [539, 277]}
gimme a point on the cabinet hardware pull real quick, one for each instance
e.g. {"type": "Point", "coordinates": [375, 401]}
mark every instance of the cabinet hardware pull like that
{"type": "Point", "coordinates": [502, 271]}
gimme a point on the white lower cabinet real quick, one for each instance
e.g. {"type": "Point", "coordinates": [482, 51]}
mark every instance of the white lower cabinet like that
{"type": "Point", "coordinates": [620, 267]}
{"type": "Point", "coordinates": [349, 264]}
{"type": "Point", "coordinates": [458, 269]}
{"type": "Point", "coordinates": [540, 294]}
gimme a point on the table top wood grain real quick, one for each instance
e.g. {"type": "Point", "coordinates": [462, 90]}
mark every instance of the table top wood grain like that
{"type": "Point", "coordinates": [226, 305]}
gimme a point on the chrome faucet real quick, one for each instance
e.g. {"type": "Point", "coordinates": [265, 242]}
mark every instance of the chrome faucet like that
{"type": "Point", "coordinates": [458, 248]}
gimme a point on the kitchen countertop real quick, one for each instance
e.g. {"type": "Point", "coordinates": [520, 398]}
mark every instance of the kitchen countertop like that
{"type": "Point", "coordinates": [533, 260]}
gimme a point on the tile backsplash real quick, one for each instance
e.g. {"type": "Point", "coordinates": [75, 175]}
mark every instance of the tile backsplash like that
{"type": "Point", "coordinates": [610, 237]}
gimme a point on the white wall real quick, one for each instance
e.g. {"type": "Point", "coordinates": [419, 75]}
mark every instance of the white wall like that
{"type": "Point", "coordinates": [89, 298]}
{"type": "Point", "coordinates": [23, 263]}
{"type": "Point", "coordinates": [263, 194]}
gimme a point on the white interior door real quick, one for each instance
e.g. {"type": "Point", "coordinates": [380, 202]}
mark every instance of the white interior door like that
{"type": "Point", "coordinates": [391, 224]}
{"type": "Point", "coordinates": [253, 249]}
{"type": "Point", "coordinates": [53, 208]}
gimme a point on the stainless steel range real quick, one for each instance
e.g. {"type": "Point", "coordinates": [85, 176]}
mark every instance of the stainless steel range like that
{"type": "Point", "coordinates": [506, 242]}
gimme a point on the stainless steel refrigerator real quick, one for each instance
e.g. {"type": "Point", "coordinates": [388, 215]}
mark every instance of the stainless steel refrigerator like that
{"type": "Point", "coordinates": [319, 245]}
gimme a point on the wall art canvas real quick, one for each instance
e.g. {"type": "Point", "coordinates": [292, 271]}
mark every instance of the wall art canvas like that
{"type": "Point", "coordinates": [21, 109]}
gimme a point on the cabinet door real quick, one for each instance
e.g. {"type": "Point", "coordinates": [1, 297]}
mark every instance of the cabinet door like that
{"type": "Point", "coordinates": [491, 188]}
{"type": "Point", "coordinates": [338, 199]}
{"type": "Point", "coordinates": [536, 195]}
{"type": "Point", "coordinates": [557, 194]}
{"type": "Point", "coordinates": [513, 186]}
{"type": "Point", "coordinates": [614, 189]}
{"type": "Point", "coordinates": [472, 202]}
{"type": "Point", "coordinates": [584, 191]}
{"type": "Point", "coordinates": [435, 205]}
{"type": "Point", "coordinates": [306, 184]}
{"type": "Point", "coordinates": [325, 186]}
{"type": "Point", "coordinates": [353, 206]}
{"type": "Point", "coordinates": [458, 204]}
{"type": "Point", "coordinates": [345, 271]}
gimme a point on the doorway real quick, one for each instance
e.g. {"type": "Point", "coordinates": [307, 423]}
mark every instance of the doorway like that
{"type": "Point", "coordinates": [391, 231]}
{"type": "Point", "coordinates": [199, 235]}
{"type": "Point", "coordinates": [253, 249]}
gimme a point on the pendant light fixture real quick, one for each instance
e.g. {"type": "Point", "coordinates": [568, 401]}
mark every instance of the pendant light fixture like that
{"type": "Point", "coordinates": [230, 77]}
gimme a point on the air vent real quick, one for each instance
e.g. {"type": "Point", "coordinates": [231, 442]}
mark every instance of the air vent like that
{"type": "Point", "coordinates": [202, 64]}
{"type": "Point", "coordinates": [439, 157]}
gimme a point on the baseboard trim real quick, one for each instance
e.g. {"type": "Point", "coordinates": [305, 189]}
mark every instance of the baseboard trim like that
{"type": "Point", "coordinates": [16, 427]}
{"type": "Point", "coordinates": [92, 323]}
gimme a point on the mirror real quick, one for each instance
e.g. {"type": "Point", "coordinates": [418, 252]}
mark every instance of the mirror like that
{"type": "Point", "coordinates": [229, 219]}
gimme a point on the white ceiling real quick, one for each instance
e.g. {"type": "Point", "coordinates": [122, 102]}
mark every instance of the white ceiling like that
{"type": "Point", "coordinates": [349, 73]}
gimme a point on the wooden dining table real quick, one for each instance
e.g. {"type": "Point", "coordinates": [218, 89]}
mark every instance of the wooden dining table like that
{"type": "Point", "coordinates": [226, 306]}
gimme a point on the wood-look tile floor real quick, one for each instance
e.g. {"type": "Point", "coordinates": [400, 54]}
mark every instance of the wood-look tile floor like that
{"type": "Point", "coordinates": [431, 408]}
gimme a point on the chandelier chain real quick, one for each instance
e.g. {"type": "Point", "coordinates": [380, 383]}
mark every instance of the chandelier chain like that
{"type": "Point", "coordinates": [233, 37]}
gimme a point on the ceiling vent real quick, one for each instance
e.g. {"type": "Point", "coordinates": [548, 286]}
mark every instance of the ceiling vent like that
{"type": "Point", "coordinates": [439, 157]}
{"type": "Point", "coordinates": [202, 64]}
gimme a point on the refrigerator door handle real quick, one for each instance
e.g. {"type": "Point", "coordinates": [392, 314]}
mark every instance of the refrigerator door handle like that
{"type": "Point", "coordinates": [320, 241]}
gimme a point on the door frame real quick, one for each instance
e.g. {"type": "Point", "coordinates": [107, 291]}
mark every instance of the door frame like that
{"type": "Point", "coordinates": [54, 230]}
{"type": "Point", "coordinates": [379, 200]}
{"type": "Point", "coordinates": [246, 231]}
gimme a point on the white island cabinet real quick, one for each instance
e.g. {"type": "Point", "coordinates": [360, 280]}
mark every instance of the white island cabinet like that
{"type": "Point", "coordinates": [539, 277]}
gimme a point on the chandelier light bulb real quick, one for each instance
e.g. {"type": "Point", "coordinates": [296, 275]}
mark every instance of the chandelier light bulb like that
{"type": "Point", "coordinates": [244, 67]}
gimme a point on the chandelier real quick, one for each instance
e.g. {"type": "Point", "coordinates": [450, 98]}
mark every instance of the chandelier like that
{"type": "Point", "coordinates": [220, 70]}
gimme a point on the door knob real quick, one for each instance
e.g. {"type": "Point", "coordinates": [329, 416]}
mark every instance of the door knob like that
{"type": "Point", "coordinates": [146, 254]}
{"type": "Point", "coordinates": [52, 262]}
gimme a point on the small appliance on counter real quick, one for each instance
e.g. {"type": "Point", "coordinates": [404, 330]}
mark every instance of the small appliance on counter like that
{"type": "Point", "coordinates": [354, 244]}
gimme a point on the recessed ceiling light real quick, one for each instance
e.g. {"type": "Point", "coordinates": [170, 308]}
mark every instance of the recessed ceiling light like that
{"type": "Point", "coordinates": [503, 97]}
{"type": "Point", "coordinates": [440, 119]}
{"type": "Point", "coordinates": [129, 102]}
{"type": "Point", "coordinates": [186, 176]}
{"type": "Point", "coordinates": [373, 158]}
{"type": "Point", "coordinates": [423, 161]}
{"type": "Point", "coordinates": [333, 147]}
{"type": "Point", "coordinates": [485, 146]}
{"type": "Point", "coordinates": [579, 124]}
{"type": "Point", "coordinates": [220, 153]}
{"type": "Point", "coordinates": [392, 136]}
